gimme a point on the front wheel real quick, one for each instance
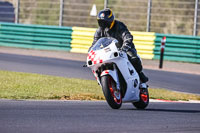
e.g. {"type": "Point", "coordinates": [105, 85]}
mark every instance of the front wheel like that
{"type": "Point", "coordinates": [112, 95]}
{"type": "Point", "coordinates": [144, 99]}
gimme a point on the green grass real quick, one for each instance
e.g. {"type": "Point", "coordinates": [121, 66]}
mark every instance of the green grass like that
{"type": "Point", "coordinates": [16, 85]}
{"type": "Point", "coordinates": [172, 95]}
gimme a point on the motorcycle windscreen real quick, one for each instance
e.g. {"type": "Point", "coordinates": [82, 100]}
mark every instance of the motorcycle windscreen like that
{"type": "Point", "coordinates": [102, 43]}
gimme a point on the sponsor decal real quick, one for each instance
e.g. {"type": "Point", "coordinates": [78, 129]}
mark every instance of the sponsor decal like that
{"type": "Point", "coordinates": [107, 49]}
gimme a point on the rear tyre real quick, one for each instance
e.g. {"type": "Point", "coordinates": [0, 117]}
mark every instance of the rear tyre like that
{"type": "Point", "coordinates": [112, 95]}
{"type": "Point", "coordinates": [144, 99]}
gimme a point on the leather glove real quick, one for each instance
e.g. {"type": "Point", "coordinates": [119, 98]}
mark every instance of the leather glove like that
{"type": "Point", "coordinates": [126, 48]}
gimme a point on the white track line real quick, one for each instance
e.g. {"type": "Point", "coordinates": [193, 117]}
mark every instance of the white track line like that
{"type": "Point", "coordinates": [160, 100]}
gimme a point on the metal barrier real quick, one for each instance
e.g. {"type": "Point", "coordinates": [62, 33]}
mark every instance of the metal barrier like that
{"type": "Point", "coordinates": [82, 39]}
{"type": "Point", "coordinates": [35, 36]}
{"type": "Point", "coordinates": [178, 48]}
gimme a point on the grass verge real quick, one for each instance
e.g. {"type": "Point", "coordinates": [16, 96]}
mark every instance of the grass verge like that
{"type": "Point", "coordinates": [17, 85]}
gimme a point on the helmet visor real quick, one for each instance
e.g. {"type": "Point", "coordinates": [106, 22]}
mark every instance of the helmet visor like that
{"type": "Point", "coordinates": [104, 24]}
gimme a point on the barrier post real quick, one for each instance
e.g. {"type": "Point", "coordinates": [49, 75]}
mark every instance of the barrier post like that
{"type": "Point", "coordinates": [61, 12]}
{"type": "Point", "coordinates": [162, 48]}
{"type": "Point", "coordinates": [105, 4]}
{"type": "Point", "coordinates": [149, 15]}
{"type": "Point", "coordinates": [195, 18]}
{"type": "Point", "coordinates": [17, 11]}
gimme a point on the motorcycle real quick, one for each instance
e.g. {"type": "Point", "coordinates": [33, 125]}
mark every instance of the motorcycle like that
{"type": "Point", "coordinates": [116, 75]}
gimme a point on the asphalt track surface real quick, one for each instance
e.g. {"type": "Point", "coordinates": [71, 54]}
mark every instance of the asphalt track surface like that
{"type": "Point", "coordinates": [73, 69]}
{"type": "Point", "coordinates": [97, 117]}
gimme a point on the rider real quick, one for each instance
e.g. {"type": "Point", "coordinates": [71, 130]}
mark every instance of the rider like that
{"type": "Point", "coordinates": [109, 27]}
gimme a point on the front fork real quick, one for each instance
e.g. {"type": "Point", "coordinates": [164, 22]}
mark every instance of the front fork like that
{"type": "Point", "coordinates": [117, 77]}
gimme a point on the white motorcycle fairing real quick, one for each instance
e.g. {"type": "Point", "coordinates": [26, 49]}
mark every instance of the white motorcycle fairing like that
{"type": "Point", "coordinates": [111, 55]}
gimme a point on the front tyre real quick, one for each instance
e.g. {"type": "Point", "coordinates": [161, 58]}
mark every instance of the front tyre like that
{"type": "Point", "coordinates": [112, 95]}
{"type": "Point", "coordinates": [144, 99]}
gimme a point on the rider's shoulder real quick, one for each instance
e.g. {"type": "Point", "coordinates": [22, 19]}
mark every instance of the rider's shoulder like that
{"type": "Point", "coordinates": [120, 24]}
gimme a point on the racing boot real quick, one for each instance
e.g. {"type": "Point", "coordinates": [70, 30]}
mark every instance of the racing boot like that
{"type": "Point", "coordinates": [143, 86]}
{"type": "Point", "coordinates": [143, 78]}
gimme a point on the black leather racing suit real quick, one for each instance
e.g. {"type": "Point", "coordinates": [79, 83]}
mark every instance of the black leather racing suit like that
{"type": "Point", "coordinates": [120, 32]}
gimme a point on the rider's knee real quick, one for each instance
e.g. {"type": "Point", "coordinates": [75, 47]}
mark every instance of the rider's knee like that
{"type": "Point", "coordinates": [136, 62]}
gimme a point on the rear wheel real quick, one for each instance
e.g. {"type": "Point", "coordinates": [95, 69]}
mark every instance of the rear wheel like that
{"type": "Point", "coordinates": [144, 99]}
{"type": "Point", "coordinates": [112, 95]}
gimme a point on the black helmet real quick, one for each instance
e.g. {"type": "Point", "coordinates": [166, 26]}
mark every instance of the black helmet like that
{"type": "Point", "coordinates": [106, 18]}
